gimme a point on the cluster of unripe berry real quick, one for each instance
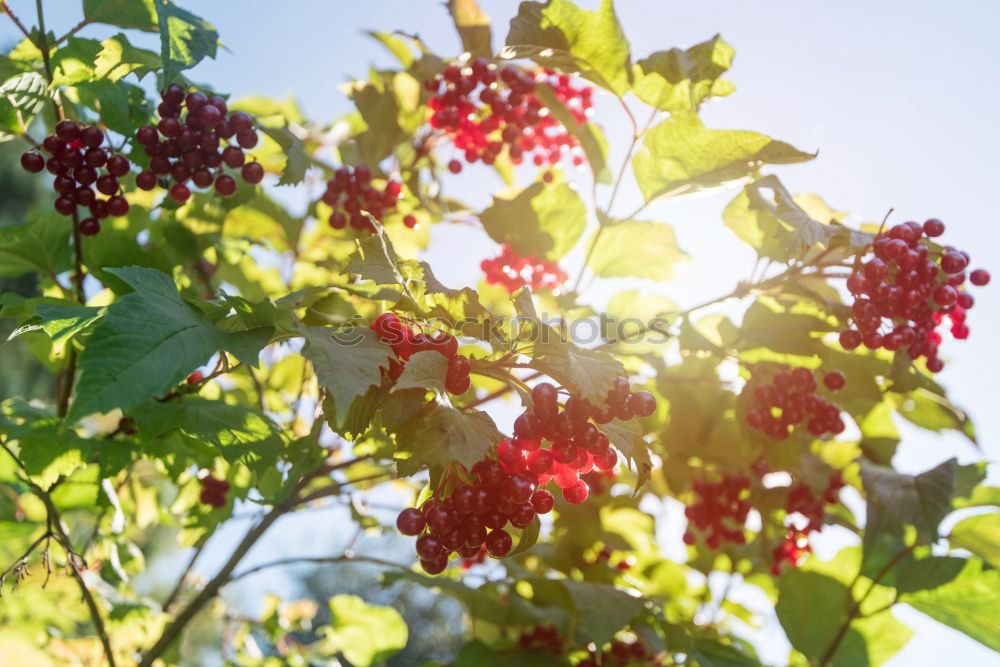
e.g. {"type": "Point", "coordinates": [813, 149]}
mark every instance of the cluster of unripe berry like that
{"type": "Point", "coordinates": [794, 548]}
{"type": "Point", "coordinates": [76, 159]}
{"type": "Point", "coordinates": [187, 145]}
{"type": "Point", "coordinates": [719, 511]}
{"type": "Point", "coordinates": [213, 491]}
{"type": "Point", "coordinates": [406, 338]}
{"type": "Point", "coordinates": [902, 292]}
{"type": "Point", "coordinates": [350, 193]}
{"type": "Point", "coordinates": [470, 522]}
{"type": "Point", "coordinates": [486, 109]}
{"type": "Point", "coordinates": [576, 445]}
{"type": "Point", "coordinates": [514, 271]}
{"type": "Point", "coordinates": [788, 398]}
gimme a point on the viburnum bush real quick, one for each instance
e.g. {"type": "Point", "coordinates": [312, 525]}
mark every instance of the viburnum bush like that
{"type": "Point", "coordinates": [214, 355]}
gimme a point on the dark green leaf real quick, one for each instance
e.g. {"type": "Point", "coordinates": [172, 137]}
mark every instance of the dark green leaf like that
{"type": "Point", "coordinates": [424, 370]}
{"type": "Point", "coordinates": [347, 362]}
{"type": "Point", "coordinates": [445, 434]}
{"type": "Point", "coordinates": [185, 39]}
{"type": "Point", "coordinates": [297, 159]}
{"type": "Point", "coordinates": [136, 14]}
{"type": "Point", "coordinates": [603, 610]}
{"type": "Point", "coordinates": [921, 500]}
{"type": "Point", "coordinates": [147, 342]}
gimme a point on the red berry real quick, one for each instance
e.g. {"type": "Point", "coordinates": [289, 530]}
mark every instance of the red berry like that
{"type": "Point", "coordinates": [455, 166]}
{"type": "Point", "coordinates": [32, 162]}
{"type": "Point", "coordinates": [411, 522]}
{"type": "Point", "coordinates": [89, 226]}
{"type": "Point", "coordinates": [576, 494]}
{"type": "Point", "coordinates": [835, 380]}
{"type": "Point", "coordinates": [499, 543]}
{"type": "Point", "coordinates": [225, 184]}
{"type": "Point", "coordinates": [252, 173]}
{"type": "Point", "coordinates": [67, 130]}
{"type": "Point", "coordinates": [933, 227]}
{"type": "Point", "coordinates": [642, 403]}
{"type": "Point", "coordinates": [146, 180]}
{"type": "Point", "coordinates": [979, 277]}
{"type": "Point", "coordinates": [65, 205]}
{"type": "Point", "coordinates": [118, 206]}
{"type": "Point", "coordinates": [180, 193]}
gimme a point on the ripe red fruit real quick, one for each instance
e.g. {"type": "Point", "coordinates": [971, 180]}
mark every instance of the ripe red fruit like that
{"type": "Point", "coordinates": [979, 277]}
{"type": "Point", "coordinates": [576, 494]}
{"type": "Point", "coordinates": [499, 543]}
{"type": "Point", "coordinates": [642, 403]}
{"type": "Point", "coordinates": [252, 173]}
{"type": "Point", "coordinates": [429, 547]}
{"type": "Point", "coordinates": [225, 184]}
{"type": "Point", "coordinates": [410, 221]}
{"type": "Point", "coordinates": [65, 205]}
{"type": "Point", "coordinates": [411, 522]}
{"type": "Point", "coordinates": [458, 386]}
{"type": "Point", "coordinates": [933, 227]}
{"type": "Point", "coordinates": [246, 138]}
{"type": "Point", "coordinates": [455, 166]}
{"type": "Point", "coordinates": [147, 136]}
{"type": "Point", "coordinates": [180, 193]}
{"type": "Point", "coordinates": [835, 380]}
{"type": "Point", "coordinates": [89, 226]}
{"type": "Point", "coordinates": [67, 130]}
{"type": "Point", "coordinates": [32, 162]}
{"type": "Point", "coordinates": [542, 501]}
{"type": "Point", "coordinates": [434, 566]}
{"type": "Point", "coordinates": [146, 180]}
{"type": "Point", "coordinates": [195, 378]}
{"type": "Point", "coordinates": [118, 206]}
{"type": "Point", "coordinates": [107, 184]}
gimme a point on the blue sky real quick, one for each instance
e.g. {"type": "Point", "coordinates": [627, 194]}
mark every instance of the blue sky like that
{"type": "Point", "coordinates": [899, 98]}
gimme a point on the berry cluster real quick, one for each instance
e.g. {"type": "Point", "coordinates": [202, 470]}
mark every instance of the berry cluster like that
{"type": "Point", "coordinates": [621, 652]}
{"type": "Point", "coordinates": [604, 556]}
{"type": "Point", "coordinates": [473, 517]}
{"type": "Point", "coordinates": [485, 110]}
{"type": "Point", "coordinates": [213, 491]}
{"type": "Point", "coordinates": [350, 192]}
{"type": "Point", "coordinates": [901, 294]}
{"type": "Point", "coordinates": [720, 510]}
{"type": "Point", "coordinates": [406, 338]}
{"type": "Point", "coordinates": [789, 398]}
{"type": "Point", "coordinates": [514, 271]}
{"type": "Point", "coordinates": [804, 503]}
{"type": "Point", "coordinates": [193, 127]}
{"type": "Point", "coordinates": [76, 160]}
{"type": "Point", "coordinates": [576, 445]}
{"type": "Point", "coordinates": [541, 638]}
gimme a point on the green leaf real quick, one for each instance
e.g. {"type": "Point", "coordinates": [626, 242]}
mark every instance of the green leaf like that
{"type": "Point", "coordinates": [41, 244]}
{"type": "Point", "coordinates": [478, 654]}
{"type": "Point", "coordinates": [968, 603]}
{"type": "Point", "coordinates": [445, 434]}
{"type": "Point", "coordinates": [541, 220]}
{"type": "Point", "coordinates": [562, 36]}
{"type": "Point", "coordinates": [603, 610]}
{"type": "Point", "coordinates": [529, 537]}
{"type": "Point", "coordinates": [376, 261]}
{"type": "Point", "coordinates": [588, 134]}
{"type": "Point", "coordinates": [680, 155]}
{"type": "Point", "coordinates": [365, 634]}
{"type": "Point", "coordinates": [379, 108]}
{"type": "Point", "coordinates": [147, 342]}
{"type": "Point", "coordinates": [74, 61]}
{"type": "Point", "coordinates": [20, 99]}
{"type": "Point", "coordinates": [135, 14]}
{"type": "Point", "coordinates": [979, 534]}
{"type": "Point", "coordinates": [811, 610]}
{"type": "Point", "coordinates": [473, 26]}
{"type": "Point", "coordinates": [918, 575]}
{"type": "Point", "coordinates": [921, 500]}
{"type": "Point", "coordinates": [783, 332]}
{"type": "Point", "coordinates": [424, 370]}
{"type": "Point", "coordinates": [635, 249]}
{"type": "Point", "coordinates": [934, 412]}
{"type": "Point", "coordinates": [590, 373]}
{"type": "Point", "coordinates": [627, 438]}
{"type": "Point", "coordinates": [680, 80]}
{"type": "Point", "coordinates": [347, 362]}
{"type": "Point", "coordinates": [799, 231]}
{"type": "Point", "coordinates": [396, 46]}
{"type": "Point", "coordinates": [185, 39]}
{"type": "Point", "coordinates": [238, 430]}
{"type": "Point", "coordinates": [60, 321]}
{"type": "Point", "coordinates": [118, 58]}
{"type": "Point", "coordinates": [297, 162]}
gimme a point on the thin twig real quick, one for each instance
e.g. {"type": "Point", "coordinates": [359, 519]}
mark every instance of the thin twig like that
{"type": "Point", "coordinates": [856, 608]}
{"type": "Point", "coordinates": [316, 560]}
{"type": "Point", "coordinates": [179, 586]}
{"type": "Point", "coordinates": [20, 26]}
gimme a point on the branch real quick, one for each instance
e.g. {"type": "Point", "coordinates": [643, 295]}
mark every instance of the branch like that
{"type": "Point", "coordinates": [317, 560]}
{"type": "Point", "coordinates": [184, 575]}
{"type": "Point", "coordinates": [211, 589]}
{"type": "Point", "coordinates": [13, 17]}
{"type": "Point", "coordinates": [856, 608]}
